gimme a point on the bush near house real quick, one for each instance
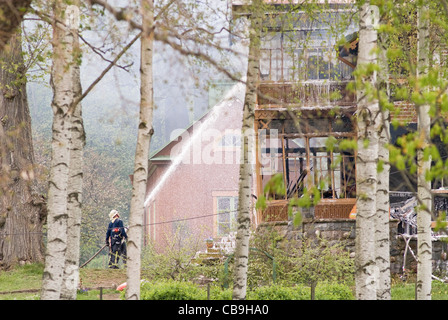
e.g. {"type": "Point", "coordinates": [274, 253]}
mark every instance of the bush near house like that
{"type": "Point", "coordinates": [324, 291]}
{"type": "Point", "coordinates": [279, 293]}
{"type": "Point", "coordinates": [171, 290]}
{"type": "Point", "coordinates": [185, 290]}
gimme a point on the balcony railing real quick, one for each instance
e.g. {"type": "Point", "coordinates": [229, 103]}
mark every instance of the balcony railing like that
{"type": "Point", "coordinates": [306, 93]}
{"type": "Point", "coordinates": [304, 77]}
{"type": "Point", "coordinates": [312, 64]}
{"type": "Point", "coordinates": [277, 210]}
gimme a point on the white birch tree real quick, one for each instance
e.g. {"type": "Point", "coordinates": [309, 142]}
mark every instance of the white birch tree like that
{"type": "Point", "coordinates": [245, 175]}
{"type": "Point", "coordinates": [75, 177]}
{"type": "Point", "coordinates": [65, 90]}
{"type": "Point", "coordinates": [382, 231]}
{"type": "Point", "coordinates": [424, 243]}
{"type": "Point", "coordinates": [366, 274]}
{"type": "Point", "coordinates": [145, 132]}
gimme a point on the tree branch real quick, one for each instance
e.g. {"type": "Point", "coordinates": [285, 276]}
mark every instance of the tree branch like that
{"type": "Point", "coordinates": [105, 71]}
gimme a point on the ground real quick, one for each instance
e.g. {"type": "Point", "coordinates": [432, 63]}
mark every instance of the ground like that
{"type": "Point", "coordinates": [103, 278]}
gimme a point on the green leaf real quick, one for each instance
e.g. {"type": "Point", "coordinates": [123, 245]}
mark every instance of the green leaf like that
{"type": "Point", "coordinates": [261, 203]}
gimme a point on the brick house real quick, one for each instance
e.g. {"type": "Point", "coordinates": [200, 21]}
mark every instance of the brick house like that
{"type": "Point", "coordinates": [303, 99]}
{"type": "Point", "coordinates": [311, 80]}
{"type": "Point", "coordinates": [192, 187]}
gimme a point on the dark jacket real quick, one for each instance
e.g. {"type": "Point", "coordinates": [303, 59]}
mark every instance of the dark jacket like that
{"type": "Point", "coordinates": [115, 231]}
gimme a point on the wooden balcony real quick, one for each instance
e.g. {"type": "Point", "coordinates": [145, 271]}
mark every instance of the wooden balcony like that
{"type": "Point", "coordinates": [277, 210]}
{"type": "Point", "coordinates": [334, 208]}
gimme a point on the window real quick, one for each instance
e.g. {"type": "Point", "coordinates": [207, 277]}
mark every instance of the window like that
{"type": "Point", "coordinates": [281, 63]}
{"type": "Point", "coordinates": [303, 49]}
{"type": "Point", "coordinates": [226, 208]}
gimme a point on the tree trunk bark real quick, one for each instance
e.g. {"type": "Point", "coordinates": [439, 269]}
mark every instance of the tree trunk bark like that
{"type": "Point", "coordinates": [145, 132]}
{"type": "Point", "coordinates": [424, 243]}
{"type": "Point", "coordinates": [75, 178]}
{"type": "Point", "coordinates": [313, 290]}
{"type": "Point", "coordinates": [367, 272]}
{"type": "Point", "coordinates": [12, 13]}
{"type": "Point", "coordinates": [63, 82]}
{"type": "Point", "coordinates": [382, 232]}
{"type": "Point", "coordinates": [22, 214]}
{"type": "Point", "coordinates": [247, 146]}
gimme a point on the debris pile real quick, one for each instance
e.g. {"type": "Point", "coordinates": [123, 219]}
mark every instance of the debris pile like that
{"type": "Point", "coordinates": [220, 248]}
{"type": "Point", "coordinates": [404, 211]}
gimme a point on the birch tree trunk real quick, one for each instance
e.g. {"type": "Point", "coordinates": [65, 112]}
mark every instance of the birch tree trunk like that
{"type": "Point", "coordinates": [367, 272]}
{"type": "Point", "coordinates": [382, 232]}
{"type": "Point", "coordinates": [424, 243]}
{"type": "Point", "coordinates": [22, 214]}
{"type": "Point", "coordinates": [75, 177]}
{"type": "Point", "coordinates": [64, 93]}
{"type": "Point", "coordinates": [145, 132]}
{"type": "Point", "coordinates": [245, 171]}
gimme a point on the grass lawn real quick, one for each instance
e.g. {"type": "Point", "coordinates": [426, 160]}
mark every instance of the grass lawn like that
{"type": "Point", "coordinates": [406, 291]}
{"type": "Point", "coordinates": [29, 278]}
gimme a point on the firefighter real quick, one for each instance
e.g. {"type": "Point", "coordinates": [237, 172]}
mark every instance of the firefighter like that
{"type": "Point", "coordinates": [115, 239]}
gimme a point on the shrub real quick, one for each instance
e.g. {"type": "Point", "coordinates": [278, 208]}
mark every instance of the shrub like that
{"type": "Point", "coordinates": [217, 293]}
{"type": "Point", "coordinates": [333, 291]}
{"type": "Point", "coordinates": [184, 290]}
{"type": "Point", "coordinates": [325, 291]}
{"type": "Point", "coordinates": [277, 292]}
{"type": "Point", "coordinates": [171, 290]}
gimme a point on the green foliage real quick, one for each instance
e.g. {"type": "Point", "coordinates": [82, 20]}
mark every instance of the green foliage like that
{"type": "Point", "coordinates": [316, 261]}
{"type": "Point", "coordinates": [219, 293]}
{"type": "Point", "coordinates": [310, 264]}
{"type": "Point", "coordinates": [324, 291]}
{"type": "Point", "coordinates": [171, 290]}
{"type": "Point", "coordinates": [278, 292]}
{"type": "Point", "coordinates": [177, 262]}
{"type": "Point", "coordinates": [183, 290]}
{"type": "Point", "coordinates": [334, 291]}
{"type": "Point", "coordinates": [441, 222]}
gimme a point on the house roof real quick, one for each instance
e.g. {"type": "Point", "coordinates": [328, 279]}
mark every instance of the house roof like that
{"type": "Point", "coordinates": [161, 158]}
{"type": "Point", "coordinates": [154, 156]}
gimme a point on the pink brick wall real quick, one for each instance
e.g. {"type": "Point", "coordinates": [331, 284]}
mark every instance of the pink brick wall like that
{"type": "Point", "coordinates": [189, 191]}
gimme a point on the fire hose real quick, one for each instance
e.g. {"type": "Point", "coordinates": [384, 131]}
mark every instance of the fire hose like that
{"type": "Point", "coordinates": [97, 253]}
